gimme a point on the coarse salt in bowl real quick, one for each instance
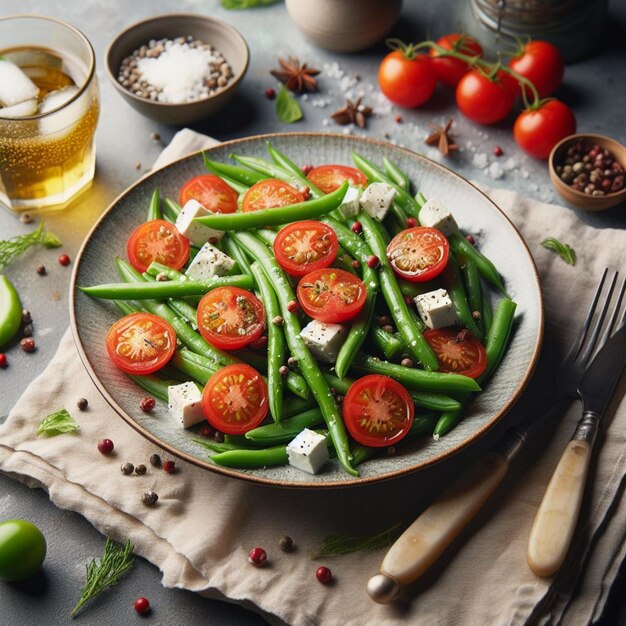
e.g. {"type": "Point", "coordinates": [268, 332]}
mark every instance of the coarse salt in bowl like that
{"type": "Point", "coordinates": [177, 68]}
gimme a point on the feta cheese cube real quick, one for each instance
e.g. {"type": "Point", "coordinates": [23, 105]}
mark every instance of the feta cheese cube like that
{"type": "Point", "coordinates": [436, 215]}
{"type": "Point", "coordinates": [323, 340]}
{"type": "Point", "coordinates": [350, 206]}
{"type": "Point", "coordinates": [308, 451]}
{"type": "Point", "coordinates": [436, 308]}
{"type": "Point", "coordinates": [195, 231]}
{"type": "Point", "coordinates": [376, 200]}
{"type": "Point", "coordinates": [184, 403]}
{"type": "Point", "coordinates": [209, 262]}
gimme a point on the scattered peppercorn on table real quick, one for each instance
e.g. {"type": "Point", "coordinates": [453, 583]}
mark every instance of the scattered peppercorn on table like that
{"type": "Point", "coordinates": [125, 150]}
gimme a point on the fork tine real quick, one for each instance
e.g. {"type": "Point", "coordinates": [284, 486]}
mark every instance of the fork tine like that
{"type": "Point", "coordinates": [576, 346]}
{"type": "Point", "coordinates": [612, 326]}
{"type": "Point", "coordinates": [597, 325]}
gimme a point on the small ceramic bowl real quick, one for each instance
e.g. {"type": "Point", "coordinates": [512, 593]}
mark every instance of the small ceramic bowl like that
{"type": "Point", "coordinates": [578, 198]}
{"type": "Point", "coordinates": [344, 25]}
{"type": "Point", "coordinates": [218, 34]}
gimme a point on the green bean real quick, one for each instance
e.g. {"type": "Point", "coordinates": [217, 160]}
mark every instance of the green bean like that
{"type": "Point", "coordinates": [126, 307]}
{"type": "Point", "coordinates": [361, 325]}
{"type": "Point", "coordinates": [233, 172]}
{"type": "Point", "coordinates": [252, 459]}
{"type": "Point", "coordinates": [166, 289]}
{"type": "Point", "coordinates": [471, 278]}
{"type": "Point", "coordinates": [308, 365]}
{"type": "Point", "coordinates": [219, 447]}
{"type": "Point", "coordinates": [286, 163]}
{"type": "Point", "coordinates": [416, 344]}
{"type": "Point", "coordinates": [270, 170]}
{"type": "Point", "coordinates": [389, 344]}
{"type": "Point", "coordinates": [411, 290]}
{"type": "Point", "coordinates": [446, 422]}
{"type": "Point", "coordinates": [155, 386]}
{"type": "Point", "coordinates": [400, 177]}
{"type": "Point", "coordinates": [267, 236]}
{"type": "Point", "coordinates": [486, 313]}
{"type": "Point", "coordinates": [456, 291]}
{"type": "Point", "coordinates": [198, 372]}
{"type": "Point", "coordinates": [286, 430]}
{"type": "Point", "coordinates": [403, 199]}
{"type": "Point", "coordinates": [293, 406]}
{"type": "Point", "coordinates": [154, 211]}
{"type": "Point", "coordinates": [235, 252]}
{"type": "Point", "coordinates": [256, 360]}
{"type": "Point", "coordinates": [184, 333]}
{"type": "Point", "coordinates": [235, 185]}
{"type": "Point", "coordinates": [360, 454]}
{"type": "Point", "coordinates": [187, 311]}
{"type": "Point", "coordinates": [413, 378]}
{"type": "Point", "coordinates": [460, 245]}
{"type": "Point", "coordinates": [280, 215]}
{"type": "Point", "coordinates": [171, 209]}
{"type": "Point", "coordinates": [275, 343]}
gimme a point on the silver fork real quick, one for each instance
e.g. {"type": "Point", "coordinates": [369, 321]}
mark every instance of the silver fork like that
{"type": "Point", "coordinates": [431, 533]}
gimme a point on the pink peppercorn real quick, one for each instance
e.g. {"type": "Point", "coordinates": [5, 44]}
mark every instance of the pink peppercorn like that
{"type": "Point", "coordinates": [323, 575]}
{"type": "Point", "coordinates": [257, 556]}
{"type": "Point", "coordinates": [64, 259]}
{"type": "Point", "coordinates": [105, 446]}
{"type": "Point", "coordinates": [147, 404]}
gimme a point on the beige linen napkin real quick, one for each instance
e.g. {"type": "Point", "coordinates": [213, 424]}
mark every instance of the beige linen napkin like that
{"type": "Point", "coordinates": [204, 524]}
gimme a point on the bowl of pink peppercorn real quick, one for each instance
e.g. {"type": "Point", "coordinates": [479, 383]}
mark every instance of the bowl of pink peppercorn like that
{"type": "Point", "coordinates": [177, 68]}
{"type": "Point", "coordinates": [589, 171]}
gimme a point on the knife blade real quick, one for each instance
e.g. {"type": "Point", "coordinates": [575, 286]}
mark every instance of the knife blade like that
{"type": "Point", "coordinates": [557, 516]}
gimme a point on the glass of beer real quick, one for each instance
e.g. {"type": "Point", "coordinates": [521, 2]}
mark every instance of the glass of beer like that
{"type": "Point", "coordinates": [49, 107]}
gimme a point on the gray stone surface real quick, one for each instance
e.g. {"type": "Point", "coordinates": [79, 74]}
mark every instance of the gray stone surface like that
{"type": "Point", "coordinates": [125, 150]}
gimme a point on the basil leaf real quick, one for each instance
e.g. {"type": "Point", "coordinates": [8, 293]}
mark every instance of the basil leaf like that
{"type": "Point", "coordinates": [288, 110]}
{"type": "Point", "coordinates": [565, 251]}
{"type": "Point", "coordinates": [238, 5]}
{"type": "Point", "coordinates": [56, 424]}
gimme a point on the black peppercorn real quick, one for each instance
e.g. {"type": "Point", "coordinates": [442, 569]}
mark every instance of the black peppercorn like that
{"type": "Point", "coordinates": [127, 469]}
{"type": "Point", "coordinates": [149, 498]}
{"type": "Point", "coordinates": [155, 460]}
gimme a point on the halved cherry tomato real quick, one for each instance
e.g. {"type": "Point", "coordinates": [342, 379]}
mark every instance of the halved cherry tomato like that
{"type": "Point", "coordinates": [270, 193]}
{"type": "Point", "coordinates": [485, 100]}
{"type": "Point", "coordinates": [418, 254]}
{"type": "Point", "coordinates": [331, 295]}
{"type": "Point", "coordinates": [234, 399]}
{"type": "Point", "coordinates": [230, 318]}
{"type": "Point", "coordinates": [458, 351]}
{"type": "Point", "coordinates": [211, 192]}
{"type": "Point", "coordinates": [305, 246]}
{"type": "Point", "coordinates": [449, 70]}
{"type": "Point", "coordinates": [542, 64]}
{"type": "Point", "coordinates": [159, 241]}
{"type": "Point", "coordinates": [378, 411]}
{"type": "Point", "coordinates": [331, 177]}
{"type": "Point", "coordinates": [141, 343]}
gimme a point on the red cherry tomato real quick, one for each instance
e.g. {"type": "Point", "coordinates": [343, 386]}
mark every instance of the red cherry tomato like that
{"type": "Point", "coordinates": [448, 70]}
{"type": "Point", "coordinates": [458, 351]}
{"type": "Point", "coordinates": [230, 318]}
{"type": "Point", "coordinates": [418, 254]}
{"type": "Point", "coordinates": [211, 192]}
{"type": "Point", "coordinates": [331, 295]}
{"type": "Point", "coordinates": [305, 246]}
{"type": "Point", "coordinates": [378, 411]}
{"type": "Point", "coordinates": [537, 131]}
{"type": "Point", "coordinates": [331, 177]}
{"type": "Point", "coordinates": [234, 399]}
{"type": "Point", "coordinates": [407, 82]}
{"type": "Point", "coordinates": [542, 64]}
{"type": "Point", "coordinates": [483, 100]}
{"type": "Point", "coordinates": [141, 343]}
{"type": "Point", "coordinates": [270, 193]}
{"type": "Point", "coordinates": [159, 241]}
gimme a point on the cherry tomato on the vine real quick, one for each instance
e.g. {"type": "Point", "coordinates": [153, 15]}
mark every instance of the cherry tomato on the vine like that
{"type": "Point", "coordinates": [542, 64]}
{"type": "Point", "coordinates": [407, 79]}
{"type": "Point", "coordinates": [449, 70]}
{"type": "Point", "coordinates": [485, 100]}
{"type": "Point", "coordinates": [537, 131]}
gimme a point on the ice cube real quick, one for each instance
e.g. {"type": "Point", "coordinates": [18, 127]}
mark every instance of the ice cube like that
{"type": "Point", "coordinates": [23, 109]}
{"type": "Point", "coordinates": [63, 120]}
{"type": "Point", "coordinates": [58, 98]}
{"type": "Point", "coordinates": [15, 86]}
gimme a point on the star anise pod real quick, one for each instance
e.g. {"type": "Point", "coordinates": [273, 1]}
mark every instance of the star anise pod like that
{"type": "Point", "coordinates": [442, 139]}
{"type": "Point", "coordinates": [295, 76]}
{"type": "Point", "coordinates": [352, 113]}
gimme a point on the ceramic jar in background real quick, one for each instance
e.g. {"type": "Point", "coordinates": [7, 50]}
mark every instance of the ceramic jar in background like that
{"type": "Point", "coordinates": [344, 25]}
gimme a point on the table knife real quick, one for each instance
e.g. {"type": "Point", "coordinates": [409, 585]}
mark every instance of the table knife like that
{"type": "Point", "coordinates": [557, 516]}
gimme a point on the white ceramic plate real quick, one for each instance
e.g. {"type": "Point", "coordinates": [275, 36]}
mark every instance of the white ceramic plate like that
{"type": "Point", "coordinates": [475, 213]}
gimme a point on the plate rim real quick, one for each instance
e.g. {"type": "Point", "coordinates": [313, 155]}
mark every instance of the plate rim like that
{"type": "Point", "coordinates": [350, 482]}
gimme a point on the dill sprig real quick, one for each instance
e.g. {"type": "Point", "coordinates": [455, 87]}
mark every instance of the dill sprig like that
{"type": "Point", "coordinates": [346, 544]}
{"type": "Point", "coordinates": [116, 561]}
{"type": "Point", "coordinates": [12, 248]}
{"type": "Point", "coordinates": [57, 423]}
